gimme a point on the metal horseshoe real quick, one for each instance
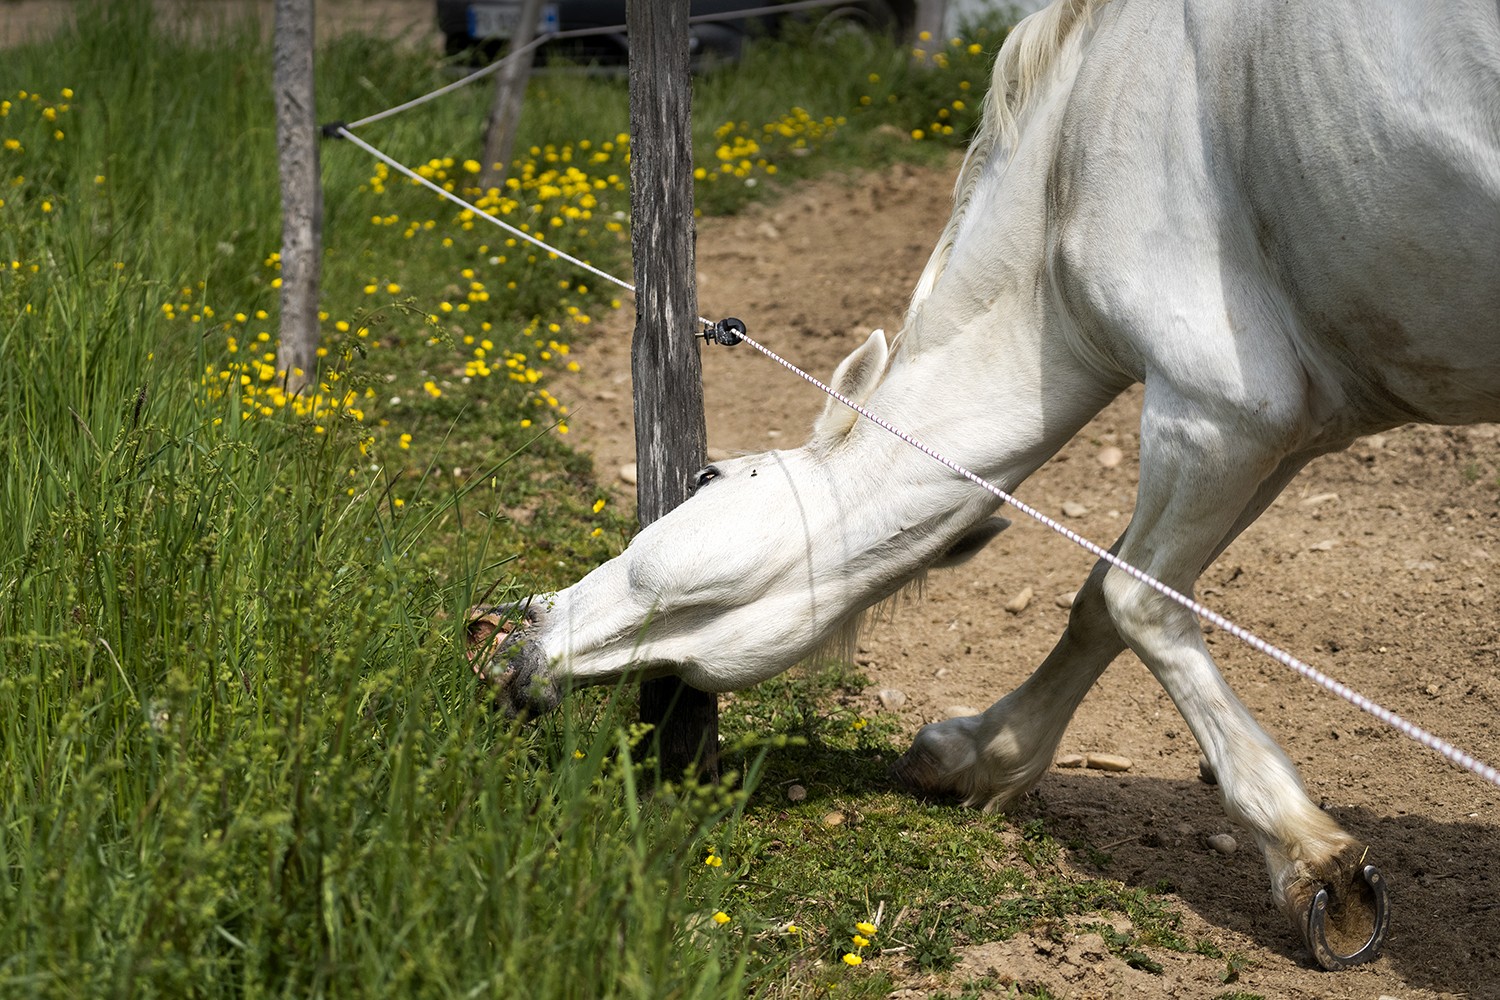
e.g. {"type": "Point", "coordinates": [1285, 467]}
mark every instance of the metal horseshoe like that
{"type": "Point", "coordinates": [1317, 931]}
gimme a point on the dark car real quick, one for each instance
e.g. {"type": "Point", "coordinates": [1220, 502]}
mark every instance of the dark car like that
{"type": "Point", "coordinates": [480, 27]}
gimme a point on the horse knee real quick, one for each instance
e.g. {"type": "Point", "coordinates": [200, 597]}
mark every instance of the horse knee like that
{"type": "Point", "coordinates": [1128, 603]}
{"type": "Point", "coordinates": [1089, 620]}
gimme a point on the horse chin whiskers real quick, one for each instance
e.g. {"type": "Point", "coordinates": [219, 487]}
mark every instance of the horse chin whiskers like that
{"type": "Point", "coordinates": [843, 642]}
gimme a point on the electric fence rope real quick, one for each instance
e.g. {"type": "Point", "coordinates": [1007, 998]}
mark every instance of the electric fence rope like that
{"type": "Point", "coordinates": [728, 336]}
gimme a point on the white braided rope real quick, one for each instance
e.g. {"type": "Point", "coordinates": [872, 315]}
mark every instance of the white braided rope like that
{"type": "Point", "coordinates": [1364, 704]}
{"type": "Point", "coordinates": [1415, 732]}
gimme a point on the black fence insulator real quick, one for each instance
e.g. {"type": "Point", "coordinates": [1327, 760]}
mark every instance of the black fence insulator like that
{"type": "Point", "coordinates": [726, 332]}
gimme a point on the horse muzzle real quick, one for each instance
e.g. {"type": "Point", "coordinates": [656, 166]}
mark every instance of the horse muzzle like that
{"type": "Point", "coordinates": [501, 654]}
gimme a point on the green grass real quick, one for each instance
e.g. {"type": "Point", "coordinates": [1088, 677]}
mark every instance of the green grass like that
{"type": "Point", "coordinates": [240, 749]}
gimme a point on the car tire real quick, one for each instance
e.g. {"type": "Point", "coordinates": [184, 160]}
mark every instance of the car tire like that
{"type": "Point", "coordinates": [864, 18]}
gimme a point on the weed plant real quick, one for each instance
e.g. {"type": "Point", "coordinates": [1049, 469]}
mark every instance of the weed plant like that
{"type": "Point", "coordinates": [241, 752]}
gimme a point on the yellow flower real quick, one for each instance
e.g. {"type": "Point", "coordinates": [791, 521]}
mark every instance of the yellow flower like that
{"type": "Point", "coordinates": [598, 505]}
{"type": "Point", "coordinates": [393, 288]}
{"type": "Point", "coordinates": [713, 861]}
{"type": "Point", "coordinates": [398, 502]}
{"type": "Point", "coordinates": [866, 928]}
{"type": "Point", "coordinates": [860, 942]}
{"type": "Point", "coordinates": [852, 959]}
{"type": "Point", "coordinates": [917, 134]}
{"type": "Point", "coordinates": [721, 918]}
{"type": "Point", "coordinates": [578, 755]}
{"type": "Point", "coordinates": [430, 387]}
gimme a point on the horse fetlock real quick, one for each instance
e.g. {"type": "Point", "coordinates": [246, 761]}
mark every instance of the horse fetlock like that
{"type": "Point", "coordinates": [956, 760]}
{"type": "Point", "coordinates": [939, 760]}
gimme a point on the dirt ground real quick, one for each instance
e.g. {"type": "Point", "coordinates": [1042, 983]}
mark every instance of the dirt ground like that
{"type": "Point", "coordinates": [1377, 565]}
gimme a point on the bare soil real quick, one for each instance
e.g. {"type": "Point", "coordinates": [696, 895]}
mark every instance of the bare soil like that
{"type": "Point", "coordinates": [1377, 565]}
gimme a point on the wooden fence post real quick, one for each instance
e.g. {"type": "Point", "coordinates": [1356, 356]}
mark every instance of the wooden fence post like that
{"type": "Point", "coordinates": [301, 192]}
{"type": "Point", "coordinates": [510, 88]}
{"type": "Point", "coordinates": [670, 437]}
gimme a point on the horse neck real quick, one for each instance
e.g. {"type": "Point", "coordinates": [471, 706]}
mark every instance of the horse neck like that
{"type": "Point", "coordinates": [987, 368]}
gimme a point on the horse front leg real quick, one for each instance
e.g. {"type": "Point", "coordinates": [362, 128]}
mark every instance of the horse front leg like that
{"type": "Point", "coordinates": [990, 760]}
{"type": "Point", "coordinates": [1201, 483]}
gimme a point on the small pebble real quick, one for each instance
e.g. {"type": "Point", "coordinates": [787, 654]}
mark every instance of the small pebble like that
{"type": "Point", "coordinates": [1071, 508]}
{"type": "Point", "coordinates": [1109, 762]}
{"type": "Point", "coordinates": [1071, 760]}
{"type": "Point", "coordinates": [834, 818]}
{"type": "Point", "coordinates": [1018, 603]}
{"type": "Point", "coordinates": [1323, 546]}
{"type": "Point", "coordinates": [1065, 600]}
{"type": "Point", "coordinates": [941, 672]}
{"type": "Point", "coordinates": [1223, 843]}
{"type": "Point", "coordinates": [1206, 772]}
{"type": "Point", "coordinates": [891, 699]}
{"type": "Point", "coordinates": [959, 711]}
{"type": "Point", "coordinates": [628, 473]}
{"type": "Point", "coordinates": [1110, 457]}
{"type": "Point", "coordinates": [796, 793]}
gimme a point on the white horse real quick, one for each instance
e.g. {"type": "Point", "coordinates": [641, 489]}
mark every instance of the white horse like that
{"type": "Point", "coordinates": [1282, 218]}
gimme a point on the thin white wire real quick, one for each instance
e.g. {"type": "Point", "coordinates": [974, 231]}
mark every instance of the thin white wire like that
{"type": "Point", "coordinates": [1443, 747]}
{"type": "Point", "coordinates": [448, 88]}
{"type": "Point", "coordinates": [553, 36]}
{"type": "Point", "coordinates": [344, 133]}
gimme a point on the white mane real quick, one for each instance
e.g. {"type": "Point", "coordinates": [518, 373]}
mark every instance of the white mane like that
{"type": "Point", "coordinates": [1024, 59]}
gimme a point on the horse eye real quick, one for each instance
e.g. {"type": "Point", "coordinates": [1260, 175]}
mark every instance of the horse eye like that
{"type": "Point", "coordinates": [707, 476]}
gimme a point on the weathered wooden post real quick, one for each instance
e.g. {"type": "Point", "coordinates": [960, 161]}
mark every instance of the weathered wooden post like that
{"type": "Point", "coordinates": [301, 192]}
{"type": "Point", "coordinates": [670, 437]}
{"type": "Point", "coordinates": [510, 88]}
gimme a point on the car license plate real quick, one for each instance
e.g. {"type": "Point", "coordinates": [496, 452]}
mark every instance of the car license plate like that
{"type": "Point", "coordinates": [498, 20]}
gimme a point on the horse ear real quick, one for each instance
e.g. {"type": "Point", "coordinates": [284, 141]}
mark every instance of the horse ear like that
{"type": "Point", "coordinates": [855, 377]}
{"type": "Point", "coordinates": [971, 542]}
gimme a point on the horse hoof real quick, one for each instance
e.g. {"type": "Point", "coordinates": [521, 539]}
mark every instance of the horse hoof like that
{"type": "Point", "coordinates": [1346, 924]}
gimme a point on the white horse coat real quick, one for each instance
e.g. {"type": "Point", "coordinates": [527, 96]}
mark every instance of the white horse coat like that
{"type": "Point", "coordinates": [1282, 218]}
